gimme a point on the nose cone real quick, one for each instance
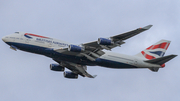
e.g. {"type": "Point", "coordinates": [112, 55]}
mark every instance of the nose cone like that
{"type": "Point", "coordinates": [4, 39]}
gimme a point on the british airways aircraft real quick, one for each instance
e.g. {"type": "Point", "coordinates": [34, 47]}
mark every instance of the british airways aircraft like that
{"type": "Point", "coordinates": [77, 57]}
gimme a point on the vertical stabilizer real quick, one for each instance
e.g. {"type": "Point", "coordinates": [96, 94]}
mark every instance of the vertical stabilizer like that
{"type": "Point", "coordinates": [155, 51]}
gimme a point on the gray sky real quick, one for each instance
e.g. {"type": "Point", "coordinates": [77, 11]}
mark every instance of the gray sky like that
{"type": "Point", "coordinates": [27, 77]}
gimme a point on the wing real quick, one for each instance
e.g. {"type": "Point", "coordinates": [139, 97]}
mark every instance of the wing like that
{"type": "Point", "coordinates": [76, 68]}
{"type": "Point", "coordinates": [93, 50]}
{"type": "Point", "coordinates": [117, 39]}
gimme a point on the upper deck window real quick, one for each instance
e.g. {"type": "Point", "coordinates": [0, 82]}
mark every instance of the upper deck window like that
{"type": "Point", "coordinates": [17, 32]}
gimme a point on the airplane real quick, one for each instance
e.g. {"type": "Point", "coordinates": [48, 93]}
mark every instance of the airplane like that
{"type": "Point", "coordinates": [76, 58]}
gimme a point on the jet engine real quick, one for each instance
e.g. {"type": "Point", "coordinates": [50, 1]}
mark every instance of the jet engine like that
{"type": "Point", "coordinates": [75, 48]}
{"type": "Point", "coordinates": [104, 41]}
{"type": "Point", "coordinates": [56, 67]}
{"type": "Point", "coordinates": [70, 75]}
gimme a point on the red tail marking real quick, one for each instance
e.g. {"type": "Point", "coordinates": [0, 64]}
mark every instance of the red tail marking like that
{"type": "Point", "coordinates": [167, 46]}
{"type": "Point", "coordinates": [162, 45]}
{"type": "Point", "coordinates": [147, 56]}
{"type": "Point", "coordinates": [143, 52]}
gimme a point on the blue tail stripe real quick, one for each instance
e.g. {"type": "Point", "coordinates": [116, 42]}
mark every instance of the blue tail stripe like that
{"type": "Point", "coordinates": [158, 53]}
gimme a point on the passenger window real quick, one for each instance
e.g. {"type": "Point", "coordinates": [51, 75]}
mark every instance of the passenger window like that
{"type": "Point", "coordinates": [17, 32]}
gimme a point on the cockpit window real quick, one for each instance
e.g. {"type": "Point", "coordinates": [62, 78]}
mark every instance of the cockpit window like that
{"type": "Point", "coordinates": [17, 32]}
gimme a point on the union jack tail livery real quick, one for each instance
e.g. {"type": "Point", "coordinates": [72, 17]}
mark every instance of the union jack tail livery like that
{"type": "Point", "coordinates": [155, 54]}
{"type": "Point", "coordinates": [155, 51]}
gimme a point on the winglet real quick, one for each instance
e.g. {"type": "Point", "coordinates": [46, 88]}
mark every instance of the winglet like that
{"type": "Point", "coordinates": [94, 76]}
{"type": "Point", "coordinates": [147, 27]}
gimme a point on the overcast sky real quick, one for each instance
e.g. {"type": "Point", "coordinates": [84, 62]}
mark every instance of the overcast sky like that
{"type": "Point", "coordinates": [27, 77]}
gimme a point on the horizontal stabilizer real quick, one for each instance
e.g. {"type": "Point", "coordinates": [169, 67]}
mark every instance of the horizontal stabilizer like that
{"type": "Point", "coordinates": [161, 60]}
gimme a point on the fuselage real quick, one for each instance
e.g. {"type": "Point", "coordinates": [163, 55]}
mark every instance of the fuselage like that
{"type": "Point", "coordinates": [46, 46]}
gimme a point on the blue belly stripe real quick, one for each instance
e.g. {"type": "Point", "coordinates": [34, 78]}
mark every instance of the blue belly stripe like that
{"type": "Point", "coordinates": [49, 52]}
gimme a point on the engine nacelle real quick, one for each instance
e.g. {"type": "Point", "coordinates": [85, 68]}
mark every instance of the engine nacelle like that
{"type": "Point", "coordinates": [56, 67]}
{"type": "Point", "coordinates": [75, 48]}
{"type": "Point", "coordinates": [104, 41]}
{"type": "Point", "coordinates": [70, 75]}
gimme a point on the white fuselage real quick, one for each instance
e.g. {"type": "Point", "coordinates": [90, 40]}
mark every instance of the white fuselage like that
{"type": "Point", "coordinates": [45, 46]}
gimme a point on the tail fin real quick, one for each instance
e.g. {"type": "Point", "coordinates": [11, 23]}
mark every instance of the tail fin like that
{"type": "Point", "coordinates": [154, 54]}
{"type": "Point", "coordinates": [155, 51]}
